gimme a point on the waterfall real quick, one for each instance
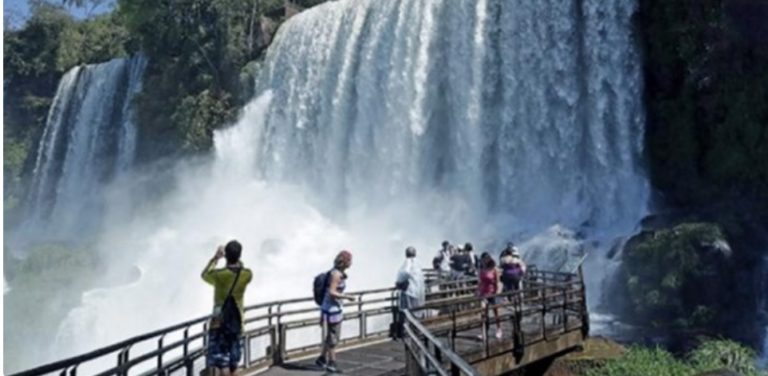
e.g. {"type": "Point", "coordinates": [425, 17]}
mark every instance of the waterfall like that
{"type": "Point", "coordinates": [527, 109]}
{"type": "Point", "coordinates": [89, 138]}
{"type": "Point", "coordinates": [382, 124]}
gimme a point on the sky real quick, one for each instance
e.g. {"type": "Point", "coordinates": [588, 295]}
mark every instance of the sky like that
{"type": "Point", "coordinates": [17, 11]}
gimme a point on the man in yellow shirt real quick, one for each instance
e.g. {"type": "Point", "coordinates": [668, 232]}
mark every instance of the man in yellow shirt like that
{"type": "Point", "coordinates": [224, 351]}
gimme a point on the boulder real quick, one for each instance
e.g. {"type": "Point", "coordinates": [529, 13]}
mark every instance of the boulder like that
{"type": "Point", "coordinates": [678, 277]}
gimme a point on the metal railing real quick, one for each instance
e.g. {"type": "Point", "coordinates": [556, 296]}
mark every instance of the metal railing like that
{"type": "Point", "coordinates": [430, 354]}
{"type": "Point", "coordinates": [270, 337]}
{"type": "Point", "coordinates": [557, 296]}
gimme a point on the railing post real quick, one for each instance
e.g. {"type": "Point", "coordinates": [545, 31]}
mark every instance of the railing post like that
{"type": "Point", "coordinates": [565, 306]}
{"type": "Point", "coordinates": [544, 311]}
{"type": "Point", "coordinates": [247, 349]}
{"type": "Point", "coordinates": [160, 354]}
{"type": "Point", "coordinates": [363, 325]}
{"type": "Point", "coordinates": [361, 316]}
{"type": "Point", "coordinates": [281, 348]}
{"type": "Point", "coordinates": [190, 367]}
{"type": "Point", "coordinates": [486, 328]}
{"type": "Point", "coordinates": [517, 330]}
{"type": "Point", "coordinates": [205, 336]}
{"type": "Point", "coordinates": [453, 329]}
{"type": "Point", "coordinates": [122, 359]}
{"type": "Point", "coordinates": [186, 342]}
{"type": "Point", "coordinates": [274, 346]}
{"type": "Point", "coordinates": [584, 310]}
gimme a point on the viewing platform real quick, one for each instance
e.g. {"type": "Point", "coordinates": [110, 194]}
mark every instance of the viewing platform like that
{"type": "Point", "coordinates": [546, 318]}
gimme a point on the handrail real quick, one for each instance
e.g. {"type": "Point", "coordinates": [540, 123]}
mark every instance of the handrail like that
{"type": "Point", "coordinates": [457, 364]}
{"type": "Point", "coordinates": [274, 318]}
{"type": "Point", "coordinates": [541, 288]}
{"type": "Point", "coordinates": [558, 295]}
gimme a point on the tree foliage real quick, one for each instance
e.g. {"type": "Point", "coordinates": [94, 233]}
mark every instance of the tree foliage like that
{"type": "Point", "coordinates": [196, 49]}
{"type": "Point", "coordinates": [710, 356]}
{"type": "Point", "coordinates": [676, 278]}
{"type": "Point", "coordinates": [706, 74]}
{"type": "Point", "coordinates": [35, 57]}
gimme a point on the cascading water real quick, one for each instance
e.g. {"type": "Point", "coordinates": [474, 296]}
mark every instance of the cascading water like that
{"type": "Point", "coordinates": [513, 116]}
{"type": "Point", "coordinates": [89, 138]}
{"type": "Point", "coordinates": [88, 142]}
{"type": "Point", "coordinates": [382, 124]}
{"type": "Point", "coordinates": [527, 109]}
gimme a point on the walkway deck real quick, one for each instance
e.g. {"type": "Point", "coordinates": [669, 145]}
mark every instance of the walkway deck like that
{"type": "Point", "coordinates": [546, 318]}
{"type": "Point", "coordinates": [380, 359]}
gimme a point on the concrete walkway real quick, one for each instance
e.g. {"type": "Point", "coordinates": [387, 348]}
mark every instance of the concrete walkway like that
{"type": "Point", "coordinates": [382, 359]}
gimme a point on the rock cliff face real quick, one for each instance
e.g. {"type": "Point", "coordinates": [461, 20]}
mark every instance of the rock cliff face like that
{"type": "Point", "coordinates": [706, 79]}
{"type": "Point", "coordinates": [689, 280]}
{"type": "Point", "coordinates": [706, 89]}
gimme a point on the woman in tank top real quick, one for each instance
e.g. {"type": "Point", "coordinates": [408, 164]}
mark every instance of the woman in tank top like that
{"type": "Point", "coordinates": [488, 286]}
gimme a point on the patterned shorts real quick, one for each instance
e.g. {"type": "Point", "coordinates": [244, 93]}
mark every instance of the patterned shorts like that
{"type": "Point", "coordinates": [332, 327]}
{"type": "Point", "coordinates": [223, 353]}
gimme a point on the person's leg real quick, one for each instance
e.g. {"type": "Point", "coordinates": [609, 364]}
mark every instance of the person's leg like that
{"type": "Point", "coordinates": [335, 336]}
{"type": "Point", "coordinates": [217, 357]}
{"type": "Point", "coordinates": [235, 355]}
{"type": "Point", "coordinates": [322, 361]}
{"type": "Point", "coordinates": [333, 340]}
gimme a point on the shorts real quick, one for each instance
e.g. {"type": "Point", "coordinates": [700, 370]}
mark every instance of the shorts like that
{"type": "Point", "coordinates": [223, 352]}
{"type": "Point", "coordinates": [332, 331]}
{"type": "Point", "coordinates": [511, 285]}
{"type": "Point", "coordinates": [491, 300]}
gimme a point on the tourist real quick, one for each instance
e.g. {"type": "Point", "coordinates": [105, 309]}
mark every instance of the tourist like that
{"type": "Point", "coordinates": [442, 262]}
{"type": "Point", "coordinates": [513, 268]}
{"type": "Point", "coordinates": [475, 261]}
{"type": "Point", "coordinates": [410, 286]}
{"type": "Point", "coordinates": [332, 312]}
{"type": "Point", "coordinates": [225, 346]}
{"type": "Point", "coordinates": [461, 265]}
{"type": "Point", "coordinates": [488, 287]}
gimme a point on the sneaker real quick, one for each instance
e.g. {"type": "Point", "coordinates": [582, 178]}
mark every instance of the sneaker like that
{"type": "Point", "coordinates": [331, 367]}
{"type": "Point", "coordinates": [320, 362]}
{"type": "Point", "coordinates": [498, 333]}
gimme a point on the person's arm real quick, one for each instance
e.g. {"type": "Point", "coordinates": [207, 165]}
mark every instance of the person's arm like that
{"type": "Point", "coordinates": [250, 277]}
{"type": "Point", "coordinates": [333, 289]}
{"type": "Point", "coordinates": [208, 274]}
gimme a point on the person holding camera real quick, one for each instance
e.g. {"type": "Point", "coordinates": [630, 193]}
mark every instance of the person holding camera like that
{"type": "Point", "coordinates": [225, 345]}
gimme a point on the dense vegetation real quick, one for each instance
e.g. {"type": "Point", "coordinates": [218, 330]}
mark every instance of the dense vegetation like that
{"type": "Point", "coordinates": [672, 276]}
{"type": "Point", "coordinates": [706, 74]}
{"type": "Point", "coordinates": [687, 280]}
{"type": "Point", "coordinates": [709, 356]}
{"type": "Point", "coordinates": [196, 50]}
{"type": "Point", "coordinates": [35, 57]}
{"type": "Point", "coordinates": [706, 77]}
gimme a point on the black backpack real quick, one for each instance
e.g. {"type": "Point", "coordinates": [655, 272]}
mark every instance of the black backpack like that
{"type": "Point", "coordinates": [320, 286]}
{"type": "Point", "coordinates": [231, 321]}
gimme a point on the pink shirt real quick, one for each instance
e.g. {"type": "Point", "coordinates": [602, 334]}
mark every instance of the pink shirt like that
{"type": "Point", "coordinates": [488, 282]}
